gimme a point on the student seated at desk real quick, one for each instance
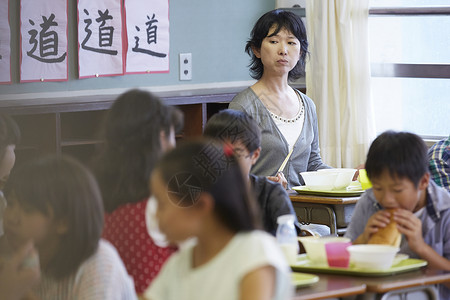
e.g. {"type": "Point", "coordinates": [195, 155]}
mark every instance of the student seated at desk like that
{"type": "Point", "coordinates": [139, 127]}
{"type": "Point", "coordinates": [244, 135]}
{"type": "Point", "coordinates": [397, 166]}
{"type": "Point", "coordinates": [439, 156]}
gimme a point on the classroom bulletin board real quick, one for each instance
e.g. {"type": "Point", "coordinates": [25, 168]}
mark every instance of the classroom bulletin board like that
{"type": "Point", "coordinates": [115, 38]}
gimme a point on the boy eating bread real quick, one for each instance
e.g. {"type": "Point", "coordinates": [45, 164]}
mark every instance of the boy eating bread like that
{"type": "Point", "coordinates": [403, 195]}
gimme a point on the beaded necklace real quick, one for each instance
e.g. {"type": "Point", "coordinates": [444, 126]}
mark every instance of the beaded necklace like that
{"type": "Point", "coordinates": [294, 119]}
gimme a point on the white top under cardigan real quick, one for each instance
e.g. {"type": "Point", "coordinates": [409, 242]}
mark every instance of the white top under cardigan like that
{"type": "Point", "coordinates": [291, 128]}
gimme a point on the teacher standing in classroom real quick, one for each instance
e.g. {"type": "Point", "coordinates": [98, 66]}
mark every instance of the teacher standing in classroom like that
{"type": "Point", "coordinates": [278, 48]}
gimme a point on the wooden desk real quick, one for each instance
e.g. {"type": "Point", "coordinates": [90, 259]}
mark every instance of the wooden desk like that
{"type": "Point", "coordinates": [334, 212]}
{"type": "Point", "coordinates": [331, 286]}
{"type": "Point", "coordinates": [399, 286]}
{"type": "Point", "coordinates": [420, 280]}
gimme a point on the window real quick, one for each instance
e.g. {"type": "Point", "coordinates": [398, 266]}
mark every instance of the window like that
{"type": "Point", "coordinates": [410, 62]}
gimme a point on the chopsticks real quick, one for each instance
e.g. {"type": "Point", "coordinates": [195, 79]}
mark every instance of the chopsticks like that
{"type": "Point", "coordinates": [285, 161]}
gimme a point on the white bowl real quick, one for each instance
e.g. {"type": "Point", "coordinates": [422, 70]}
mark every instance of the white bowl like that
{"type": "Point", "coordinates": [376, 257]}
{"type": "Point", "coordinates": [315, 247]}
{"type": "Point", "coordinates": [344, 177]}
{"type": "Point", "coordinates": [322, 181]}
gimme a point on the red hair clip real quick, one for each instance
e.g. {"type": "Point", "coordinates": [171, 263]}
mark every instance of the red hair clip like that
{"type": "Point", "coordinates": [228, 150]}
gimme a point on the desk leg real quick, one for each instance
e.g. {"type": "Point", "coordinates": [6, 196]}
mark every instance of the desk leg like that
{"type": "Point", "coordinates": [316, 213]}
{"type": "Point", "coordinates": [427, 292]}
{"type": "Point", "coordinates": [423, 292]}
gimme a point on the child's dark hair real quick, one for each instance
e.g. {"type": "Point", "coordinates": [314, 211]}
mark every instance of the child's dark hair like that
{"type": "Point", "coordinates": [132, 146]}
{"type": "Point", "coordinates": [212, 168]}
{"type": "Point", "coordinates": [67, 190]}
{"type": "Point", "coordinates": [403, 154]}
{"type": "Point", "coordinates": [231, 125]}
{"type": "Point", "coordinates": [283, 20]}
{"type": "Point", "coordinates": [9, 133]}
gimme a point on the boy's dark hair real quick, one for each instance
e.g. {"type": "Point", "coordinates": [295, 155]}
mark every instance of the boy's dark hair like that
{"type": "Point", "coordinates": [283, 20]}
{"type": "Point", "coordinates": [70, 191]}
{"type": "Point", "coordinates": [208, 166]}
{"type": "Point", "coordinates": [132, 146]}
{"type": "Point", "coordinates": [9, 133]}
{"type": "Point", "coordinates": [403, 154]}
{"type": "Point", "coordinates": [231, 125]}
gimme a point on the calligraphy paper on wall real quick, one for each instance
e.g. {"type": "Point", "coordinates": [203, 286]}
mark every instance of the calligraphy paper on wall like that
{"type": "Point", "coordinates": [5, 44]}
{"type": "Point", "coordinates": [147, 25]}
{"type": "Point", "coordinates": [43, 40]}
{"type": "Point", "coordinates": [100, 38]}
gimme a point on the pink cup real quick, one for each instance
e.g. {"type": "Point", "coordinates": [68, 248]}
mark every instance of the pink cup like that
{"type": "Point", "coordinates": [337, 254]}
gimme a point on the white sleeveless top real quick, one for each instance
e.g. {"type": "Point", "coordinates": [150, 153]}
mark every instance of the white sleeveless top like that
{"type": "Point", "coordinates": [291, 128]}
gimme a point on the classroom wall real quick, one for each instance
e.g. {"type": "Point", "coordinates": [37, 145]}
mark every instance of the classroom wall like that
{"type": "Point", "coordinates": [214, 32]}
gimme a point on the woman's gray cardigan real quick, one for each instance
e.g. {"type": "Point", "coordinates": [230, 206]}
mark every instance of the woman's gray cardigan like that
{"type": "Point", "coordinates": [306, 153]}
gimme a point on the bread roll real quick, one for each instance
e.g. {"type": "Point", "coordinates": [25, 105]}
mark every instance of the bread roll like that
{"type": "Point", "coordinates": [388, 235]}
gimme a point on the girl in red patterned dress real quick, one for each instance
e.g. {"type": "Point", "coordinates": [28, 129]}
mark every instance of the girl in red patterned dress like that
{"type": "Point", "coordinates": [138, 129]}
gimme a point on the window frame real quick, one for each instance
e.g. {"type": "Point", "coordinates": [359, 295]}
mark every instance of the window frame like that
{"type": "Point", "coordinates": [413, 70]}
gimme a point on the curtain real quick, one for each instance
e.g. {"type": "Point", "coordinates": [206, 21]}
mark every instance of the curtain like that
{"type": "Point", "coordinates": [338, 79]}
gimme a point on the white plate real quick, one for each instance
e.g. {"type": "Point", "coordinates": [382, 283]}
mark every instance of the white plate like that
{"type": "Point", "coordinates": [399, 257]}
{"type": "Point", "coordinates": [303, 279]}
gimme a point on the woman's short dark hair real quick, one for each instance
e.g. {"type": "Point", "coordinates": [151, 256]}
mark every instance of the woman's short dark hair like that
{"type": "Point", "coordinates": [66, 188]}
{"type": "Point", "coordinates": [403, 154]}
{"type": "Point", "coordinates": [283, 20]}
{"type": "Point", "coordinates": [208, 166]}
{"type": "Point", "coordinates": [132, 146]}
{"type": "Point", "coordinates": [231, 125]}
{"type": "Point", "coordinates": [9, 133]}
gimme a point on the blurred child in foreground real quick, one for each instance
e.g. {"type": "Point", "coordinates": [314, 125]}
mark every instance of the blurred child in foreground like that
{"type": "Point", "coordinates": [55, 203]}
{"type": "Point", "coordinates": [201, 194]}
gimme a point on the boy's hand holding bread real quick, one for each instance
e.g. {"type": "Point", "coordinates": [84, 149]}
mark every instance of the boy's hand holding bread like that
{"type": "Point", "coordinates": [378, 220]}
{"type": "Point", "coordinates": [381, 228]}
{"type": "Point", "coordinates": [387, 226]}
{"type": "Point", "coordinates": [411, 227]}
{"type": "Point", "coordinates": [389, 234]}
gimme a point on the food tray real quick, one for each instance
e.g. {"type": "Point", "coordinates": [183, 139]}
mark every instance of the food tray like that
{"type": "Point", "coordinates": [304, 265]}
{"type": "Point", "coordinates": [303, 279]}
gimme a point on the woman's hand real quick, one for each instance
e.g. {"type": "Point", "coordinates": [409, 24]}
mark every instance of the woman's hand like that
{"type": "Point", "coordinates": [279, 178]}
{"type": "Point", "coordinates": [355, 177]}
